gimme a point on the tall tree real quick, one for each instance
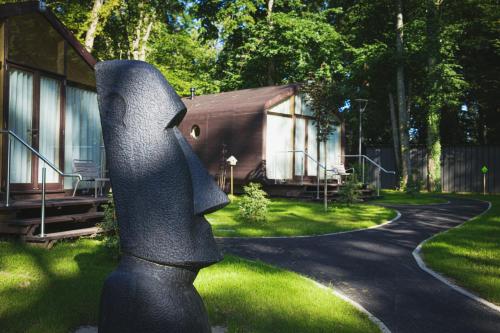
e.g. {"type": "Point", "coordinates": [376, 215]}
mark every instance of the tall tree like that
{"type": "Point", "coordinates": [434, 100]}
{"type": "Point", "coordinates": [325, 97]}
{"type": "Point", "coordinates": [402, 106]}
{"type": "Point", "coordinates": [94, 21]}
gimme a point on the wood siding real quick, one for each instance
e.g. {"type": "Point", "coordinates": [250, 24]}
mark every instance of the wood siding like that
{"type": "Point", "coordinates": [241, 133]}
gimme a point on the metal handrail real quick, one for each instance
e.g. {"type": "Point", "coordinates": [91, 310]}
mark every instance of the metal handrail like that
{"type": "Point", "coordinates": [46, 162]}
{"type": "Point", "coordinates": [373, 162]}
{"type": "Point", "coordinates": [379, 167]}
{"type": "Point", "coordinates": [334, 171]}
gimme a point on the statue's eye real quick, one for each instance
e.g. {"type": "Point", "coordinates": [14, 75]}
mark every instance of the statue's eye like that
{"type": "Point", "coordinates": [116, 108]}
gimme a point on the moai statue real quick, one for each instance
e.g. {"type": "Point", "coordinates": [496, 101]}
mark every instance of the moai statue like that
{"type": "Point", "coordinates": [161, 192]}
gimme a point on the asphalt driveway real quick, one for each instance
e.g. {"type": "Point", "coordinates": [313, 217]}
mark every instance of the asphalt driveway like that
{"type": "Point", "coordinates": [376, 269]}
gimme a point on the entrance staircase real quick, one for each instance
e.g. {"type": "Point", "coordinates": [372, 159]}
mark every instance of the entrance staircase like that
{"type": "Point", "coordinates": [65, 217]}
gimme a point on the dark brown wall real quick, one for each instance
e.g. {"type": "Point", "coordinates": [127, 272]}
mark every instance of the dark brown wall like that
{"type": "Point", "coordinates": [242, 133]}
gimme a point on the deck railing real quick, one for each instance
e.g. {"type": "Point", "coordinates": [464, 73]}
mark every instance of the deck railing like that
{"type": "Point", "coordinates": [378, 167]}
{"type": "Point", "coordinates": [305, 156]}
{"type": "Point", "coordinates": [10, 134]}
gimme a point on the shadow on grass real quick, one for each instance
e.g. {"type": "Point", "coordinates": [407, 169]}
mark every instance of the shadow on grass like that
{"type": "Point", "coordinates": [59, 291]}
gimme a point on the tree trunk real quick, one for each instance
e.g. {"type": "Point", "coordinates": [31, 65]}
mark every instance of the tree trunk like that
{"type": "Point", "coordinates": [94, 22]}
{"type": "Point", "coordinates": [270, 4]}
{"type": "Point", "coordinates": [403, 116]}
{"type": "Point", "coordinates": [145, 39]}
{"type": "Point", "coordinates": [318, 160]}
{"type": "Point", "coordinates": [395, 133]}
{"type": "Point", "coordinates": [434, 100]}
{"type": "Point", "coordinates": [325, 199]}
{"type": "Point", "coordinates": [141, 36]}
{"type": "Point", "coordinates": [270, 62]}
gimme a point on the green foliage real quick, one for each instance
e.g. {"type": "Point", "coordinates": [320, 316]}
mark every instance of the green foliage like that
{"type": "Point", "coordinates": [349, 191]}
{"type": "Point", "coordinates": [414, 185]}
{"type": "Point", "coordinates": [109, 226]}
{"type": "Point", "coordinates": [254, 204]}
{"type": "Point", "coordinates": [283, 51]}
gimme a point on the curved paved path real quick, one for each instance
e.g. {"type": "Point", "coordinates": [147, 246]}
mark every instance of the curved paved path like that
{"type": "Point", "coordinates": [376, 269]}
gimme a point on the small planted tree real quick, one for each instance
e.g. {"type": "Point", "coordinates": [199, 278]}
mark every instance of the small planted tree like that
{"type": "Point", "coordinates": [324, 97]}
{"type": "Point", "coordinates": [254, 204]}
{"type": "Point", "coordinates": [349, 193]}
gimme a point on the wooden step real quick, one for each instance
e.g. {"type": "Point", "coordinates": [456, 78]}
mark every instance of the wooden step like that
{"type": "Point", "coordinates": [63, 235]}
{"type": "Point", "coordinates": [60, 202]}
{"type": "Point", "coordinates": [57, 219]}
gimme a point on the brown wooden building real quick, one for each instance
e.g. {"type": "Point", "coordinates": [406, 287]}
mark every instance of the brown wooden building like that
{"type": "Point", "coordinates": [270, 130]}
{"type": "Point", "coordinates": [48, 100]}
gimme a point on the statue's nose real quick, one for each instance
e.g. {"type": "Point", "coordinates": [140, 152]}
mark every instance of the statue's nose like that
{"type": "Point", "coordinates": [207, 196]}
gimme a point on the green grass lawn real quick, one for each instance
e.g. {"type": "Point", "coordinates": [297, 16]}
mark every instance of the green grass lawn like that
{"type": "Point", "coordinates": [292, 218]}
{"type": "Point", "coordinates": [392, 197]}
{"type": "Point", "coordinates": [58, 290]}
{"type": "Point", "coordinates": [470, 254]}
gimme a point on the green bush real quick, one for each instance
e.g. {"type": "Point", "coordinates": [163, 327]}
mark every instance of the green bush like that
{"type": "Point", "coordinates": [349, 192]}
{"type": "Point", "coordinates": [253, 205]}
{"type": "Point", "coordinates": [109, 226]}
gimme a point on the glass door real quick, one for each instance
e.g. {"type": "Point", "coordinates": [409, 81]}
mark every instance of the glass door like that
{"type": "Point", "coordinates": [49, 127]}
{"type": "Point", "coordinates": [20, 121]}
{"type": "Point", "coordinates": [35, 116]}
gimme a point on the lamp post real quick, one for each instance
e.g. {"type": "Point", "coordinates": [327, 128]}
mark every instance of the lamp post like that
{"type": "Point", "coordinates": [362, 106]}
{"type": "Point", "coordinates": [232, 162]}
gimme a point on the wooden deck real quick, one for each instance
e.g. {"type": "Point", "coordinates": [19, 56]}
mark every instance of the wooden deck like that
{"type": "Point", "coordinates": [66, 217]}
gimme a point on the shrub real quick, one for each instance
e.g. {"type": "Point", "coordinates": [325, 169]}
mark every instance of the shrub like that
{"type": "Point", "coordinates": [253, 205]}
{"type": "Point", "coordinates": [413, 186]}
{"type": "Point", "coordinates": [349, 192]}
{"type": "Point", "coordinates": [109, 226]}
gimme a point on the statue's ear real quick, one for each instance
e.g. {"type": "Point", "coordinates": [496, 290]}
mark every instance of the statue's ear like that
{"type": "Point", "coordinates": [113, 108]}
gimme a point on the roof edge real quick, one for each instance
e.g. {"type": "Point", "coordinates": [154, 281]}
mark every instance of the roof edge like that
{"type": "Point", "coordinates": [22, 8]}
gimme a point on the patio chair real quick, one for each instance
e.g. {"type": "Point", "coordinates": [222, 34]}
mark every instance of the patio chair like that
{"type": "Point", "coordinates": [90, 172]}
{"type": "Point", "coordinates": [341, 171]}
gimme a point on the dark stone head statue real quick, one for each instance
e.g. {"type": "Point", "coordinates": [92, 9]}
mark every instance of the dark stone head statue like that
{"type": "Point", "coordinates": [161, 189]}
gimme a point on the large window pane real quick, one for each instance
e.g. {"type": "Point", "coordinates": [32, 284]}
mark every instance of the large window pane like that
{"type": "Point", "coordinates": [283, 107]}
{"type": "Point", "coordinates": [83, 140]}
{"type": "Point", "coordinates": [78, 70]}
{"type": "Point", "coordinates": [50, 115]}
{"type": "Point", "coordinates": [20, 122]}
{"type": "Point", "coordinates": [34, 42]}
{"type": "Point", "coordinates": [279, 158]}
{"type": "Point", "coordinates": [300, 145]}
{"type": "Point", "coordinates": [312, 149]}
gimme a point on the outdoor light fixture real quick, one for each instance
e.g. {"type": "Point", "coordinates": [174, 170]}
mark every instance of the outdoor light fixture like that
{"type": "Point", "coordinates": [232, 162]}
{"type": "Point", "coordinates": [362, 106]}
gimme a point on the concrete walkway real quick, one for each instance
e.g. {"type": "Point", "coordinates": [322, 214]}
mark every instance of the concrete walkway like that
{"type": "Point", "coordinates": [376, 269]}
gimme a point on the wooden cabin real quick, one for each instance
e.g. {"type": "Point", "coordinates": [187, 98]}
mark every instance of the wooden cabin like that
{"type": "Point", "coordinates": [48, 99]}
{"type": "Point", "coordinates": [270, 131]}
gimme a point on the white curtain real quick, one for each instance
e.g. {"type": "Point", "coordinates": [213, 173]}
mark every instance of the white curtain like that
{"type": "Point", "coordinates": [333, 150]}
{"type": "Point", "coordinates": [49, 128]}
{"type": "Point", "coordinates": [279, 158]}
{"type": "Point", "coordinates": [20, 122]}
{"type": "Point", "coordinates": [311, 148]}
{"type": "Point", "coordinates": [300, 145]}
{"type": "Point", "coordinates": [83, 139]}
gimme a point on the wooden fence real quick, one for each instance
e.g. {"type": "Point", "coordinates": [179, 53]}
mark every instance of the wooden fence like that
{"type": "Point", "coordinates": [460, 167]}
